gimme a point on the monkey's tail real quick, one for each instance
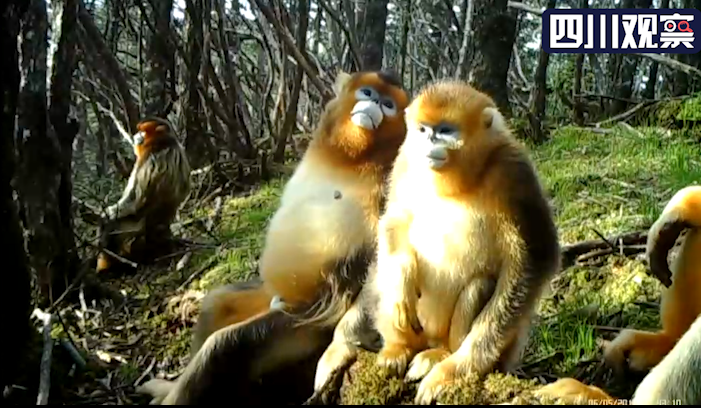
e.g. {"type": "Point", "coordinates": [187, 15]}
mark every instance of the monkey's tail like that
{"type": "Point", "coordinates": [343, 284]}
{"type": "Point", "coordinates": [682, 212]}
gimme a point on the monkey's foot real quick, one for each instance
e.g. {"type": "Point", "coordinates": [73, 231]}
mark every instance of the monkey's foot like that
{"type": "Point", "coordinates": [440, 376]}
{"type": "Point", "coordinates": [637, 350]}
{"type": "Point", "coordinates": [394, 357]}
{"type": "Point", "coordinates": [573, 392]}
{"type": "Point", "coordinates": [336, 356]}
{"type": "Point", "coordinates": [423, 362]}
{"type": "Point", "coordinates": [156, 388]}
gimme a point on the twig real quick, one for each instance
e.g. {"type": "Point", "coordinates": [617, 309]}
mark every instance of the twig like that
{"type": "Point", "coordinates": [182, 263]}
{"type": "Point", "coordinates": [571, 252]}
{"type": "Point", "coordinates": [603, 238]}
{"type": "Point", "coordinates": [525, 7]}
{"type": "Point", "coordinates": [119, 258]}
{"type": "Point", "coordinates": [45, 367]}
{"type": "Point", "coordinates": [672, 63]}
{"type": "Point", "coordinates": [146, 372]}
{"type": "Point", "coordinates": [197, 273]}
{"type": "Point", "coordinates": [625, 114]}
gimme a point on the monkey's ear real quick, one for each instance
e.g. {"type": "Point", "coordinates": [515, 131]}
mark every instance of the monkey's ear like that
{"type": "Point", "coordinates": [341, 80]}
{"type": "Point", "coordinates": [493, 119]}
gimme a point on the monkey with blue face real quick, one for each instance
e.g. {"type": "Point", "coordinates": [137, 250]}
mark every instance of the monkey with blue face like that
{"type": "Point", "coordinates": [317, 249]}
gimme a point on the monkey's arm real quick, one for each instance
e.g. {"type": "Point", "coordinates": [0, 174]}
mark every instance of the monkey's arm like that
{"type": "Point", "coordinates": [145, 178]}
{"type": "Point", "coordinates": [125, 205]}
{"type": "Point", "coordinates": [396, 269]}
{"type": "Point", "coordinates": [530, 257]}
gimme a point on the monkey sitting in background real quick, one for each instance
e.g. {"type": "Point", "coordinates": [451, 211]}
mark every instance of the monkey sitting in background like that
{"type": "Point", "coordinates": [314, 261]}
{"type": "Point", "coordinates": [465, 247]}
{"type": "Point", "coordinates": [673, 354]}
{"type": "Point", "coordinates": [139, 223]}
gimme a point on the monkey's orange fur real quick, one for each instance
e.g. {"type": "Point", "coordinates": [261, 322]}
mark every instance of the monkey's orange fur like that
{"type": "Point", "coordinates": [460, 264]}
{"type": "Point", "coordinates": [234, 307]}
{"type": "Point", "coordinates": [680, 305]}
{"type": "Point", "coordinates": [325, 224]}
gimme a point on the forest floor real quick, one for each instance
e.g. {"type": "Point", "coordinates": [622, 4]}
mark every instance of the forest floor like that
{"type": "Point", "coordinates": [605, 184]}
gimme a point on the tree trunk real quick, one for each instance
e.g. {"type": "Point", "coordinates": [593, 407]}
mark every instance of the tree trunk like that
{"type": "Point", "coordinates": [16, 296]}
{"type": "Point", "coordinates": [625, 67]}
{"type": "Point", "coordinates": [649, 92]}
{"type": "Point", "coordinates": [291, 114]}
{"type": "Point", "coordinates": [159, 59]}
{"type": "Point", "coordinates": [539, 92]}
{"type": "Point", "coordinates": [196, 10]}
{"type": "Point", "coordinates": [494, 28]}
{"type": "Point", "coordinates": [374, 23]}
{"type": "Point", "coordinates": [43, 181]}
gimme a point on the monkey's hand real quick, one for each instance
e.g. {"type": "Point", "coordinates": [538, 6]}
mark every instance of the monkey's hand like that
{"type": "Point", "coordinates": [440, 376]}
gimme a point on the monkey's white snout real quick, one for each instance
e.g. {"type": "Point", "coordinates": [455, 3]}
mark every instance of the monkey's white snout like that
{"type": "Point", "coordinates": [138, 138]}
{"type": "Point", "coordinates": [367, 114]}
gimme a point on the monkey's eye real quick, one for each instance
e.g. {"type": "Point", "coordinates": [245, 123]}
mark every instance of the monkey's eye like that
{"type": "Point", "coordinates": [365, 93]}
{"type": "Point", "coordinates": [423, 129]}
{"type": "Point", "coordinates": [445, 130]}
{"type": "Point", "coordinates": [388, 107]}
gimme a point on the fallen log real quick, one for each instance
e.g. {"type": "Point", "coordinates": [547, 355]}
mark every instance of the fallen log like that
{"type": "Point", "coordinates": [627, 243]}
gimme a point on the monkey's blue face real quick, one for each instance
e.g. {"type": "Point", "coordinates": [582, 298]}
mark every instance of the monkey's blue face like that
{"type": "Point", "coordinates": [433, 141]}
{"type": "Point", "coordinates": [139, 138]}
{"type": "Point", "coordinates": [371, 108]}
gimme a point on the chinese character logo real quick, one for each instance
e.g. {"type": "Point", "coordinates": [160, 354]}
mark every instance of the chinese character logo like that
{"type": "Point", "coordinates": [677, 31]}
{"type": "Point", "coordinates": [620, 31]}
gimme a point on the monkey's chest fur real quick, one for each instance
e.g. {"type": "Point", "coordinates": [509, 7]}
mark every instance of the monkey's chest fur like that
{"type": "Point", "coordinates": [455, 247]}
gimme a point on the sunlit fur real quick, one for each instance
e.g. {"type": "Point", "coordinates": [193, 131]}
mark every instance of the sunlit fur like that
{"type": "Point", "coordinates": [316, 252]}
{"type": "Point", "coordinates": [157, 186]}
{"type": "Point", "coordinates": [463, 251]}
{"type": "Point", "coordinates": [313, 230]}
{"type": "Point", "coordinates": [675, 363]}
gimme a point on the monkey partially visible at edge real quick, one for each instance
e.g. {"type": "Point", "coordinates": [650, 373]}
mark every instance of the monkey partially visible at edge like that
{"type": "Point", "coordinates": [139, 223]}
{"type": "Point", "coordinates": [315, 257]}
{"type": "Point", "coordinates": [465, 248]}
{"type": "Point", "coordinates": [672, 355]}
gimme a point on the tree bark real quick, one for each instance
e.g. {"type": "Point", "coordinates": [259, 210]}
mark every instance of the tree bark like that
{"type": "Point", "coordinates": [625, 67]}
{"type": "Point", "coordinates": [16, 279]}
{"type": "Point", "coordinates": [43, 181]}
{"type": "Point", "coordinates": [159, 59]}
{"type": "Point", "coordinates": [539, 92]}
{"type": "Point", "coordinates": [375, 24]}
{"type": "Point", "coordinates": [197, 11]}
{"type": "Point", "coordinates": [291, 114]}
{"type": "Point", "coordinates": [651, 85]}
{"type": "Point", "coordinates": [494, 28]}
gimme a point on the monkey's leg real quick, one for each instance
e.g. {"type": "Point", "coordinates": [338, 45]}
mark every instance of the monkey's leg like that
{"type": "Point", "coordinates": [395, 285]}
{"type": "Point", "coordinates": [348, 337]}
{"type": "Point", "coordinates": [470, 302]}
{"type": "Point", "coordinates": [574, 392]}
{"type": "Point", "coordinates": [638, 350]}
{"type": "Point", "coordinates": [676, 379]}
{"type": "Point", "coordinates": [240, 354]}
{"type": "Point", "coordinates": [228, 305]}
{"type": "Point", "coordinates": [491, 335]}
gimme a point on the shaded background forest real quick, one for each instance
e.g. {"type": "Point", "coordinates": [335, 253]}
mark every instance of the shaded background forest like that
{"type": "Point", "coordinates": [244, 82]}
